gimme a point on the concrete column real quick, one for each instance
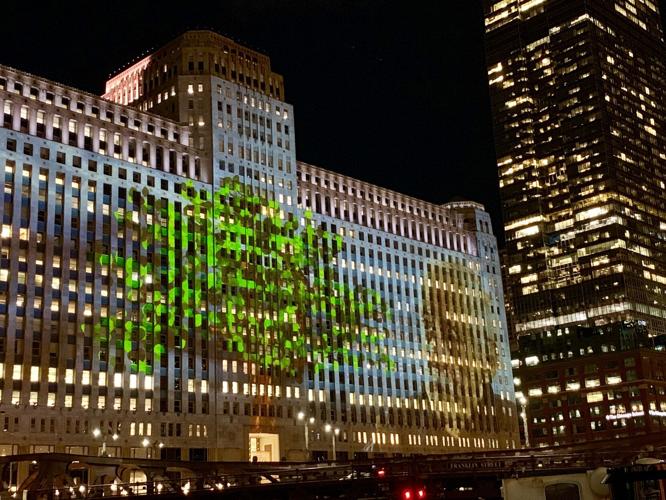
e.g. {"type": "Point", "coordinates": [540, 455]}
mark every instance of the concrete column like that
{"type": "Point", "coordinates": [32, 121]}
{"type": "Point", "coordinates": [153, 155]}
{"type": "Point", "coordinates": [124, 146]}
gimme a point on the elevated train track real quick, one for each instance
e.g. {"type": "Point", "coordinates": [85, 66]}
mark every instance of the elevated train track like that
{"type": "Point", "coordinates": [460, 475]}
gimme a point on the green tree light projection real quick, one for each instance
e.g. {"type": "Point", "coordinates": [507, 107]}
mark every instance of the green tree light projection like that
{"type": "Point", "coordinates": [238, 268]}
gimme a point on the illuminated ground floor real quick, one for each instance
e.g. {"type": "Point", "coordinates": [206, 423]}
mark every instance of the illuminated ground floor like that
{"type": "Point", "coordinates": [38, 430]}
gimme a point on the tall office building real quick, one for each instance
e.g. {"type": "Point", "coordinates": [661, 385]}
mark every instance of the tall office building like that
{"type": "Point", "coordinates": [577, 90]}
{"type": "Point", "coordinates": [578, 100]}
{"type": "Point", "coordinates": [172, 281]}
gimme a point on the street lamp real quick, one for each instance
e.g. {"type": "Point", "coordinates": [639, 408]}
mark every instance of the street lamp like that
{"type": "Point", "coordinates": [301, 418]}
{"type": "Point", "coordinates": [523, 415]}
{"type": "Point", "coordinates": [153, 446]}
{"type": "Point", "coordinates": [328, 428]}
{"type": "Point", "coordinates": [96, 432]}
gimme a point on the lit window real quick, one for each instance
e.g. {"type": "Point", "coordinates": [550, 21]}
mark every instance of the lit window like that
{"type": "Point", "coordinates": [592, 382]}
{"type": "Point", "coordinates": [532, 360]}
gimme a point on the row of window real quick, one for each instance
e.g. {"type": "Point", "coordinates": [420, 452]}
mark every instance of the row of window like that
{"type": "Point", "coordinates": [90, 138]}
{"type": "Point", "coordinates": [84, 107]}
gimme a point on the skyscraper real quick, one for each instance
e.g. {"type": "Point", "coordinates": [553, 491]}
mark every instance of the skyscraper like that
{"type": "Point", "coordinates": [172, 281]}
{"type": "Point", "coordinates": [577, 90]}
{"type": "Point", "coordinates": [578, 100]}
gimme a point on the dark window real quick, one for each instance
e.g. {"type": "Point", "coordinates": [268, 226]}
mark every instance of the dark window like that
{"type": "Point", "coordinates": [566, 491]}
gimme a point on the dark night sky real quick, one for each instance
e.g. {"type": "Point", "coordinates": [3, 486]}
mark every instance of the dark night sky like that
{"type": "Point", "coordinates": [392, 92]}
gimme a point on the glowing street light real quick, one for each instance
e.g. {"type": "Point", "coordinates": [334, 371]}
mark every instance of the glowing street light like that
{"type": "Point", "coordinates": [97, 433]}
{"type": "Point", "coordinates": [153, 446]}
{"type": "Point", "coordinates": [301, 418]}
{"type": "Point", "coordinates": [522, 400]}
{"type": "Point", "coordinates": [328, 428]}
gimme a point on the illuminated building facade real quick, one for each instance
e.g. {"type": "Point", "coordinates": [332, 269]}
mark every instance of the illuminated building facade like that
{"type": "Point", "coordinates": [577, 91]}
{"type": "Point", "coordinates": [173, 278]}
{"type": "Point", "coordinates": [601, 384]}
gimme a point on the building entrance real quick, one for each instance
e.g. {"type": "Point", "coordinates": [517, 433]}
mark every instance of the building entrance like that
{"type": "Point", "coordinates": [266, 447]}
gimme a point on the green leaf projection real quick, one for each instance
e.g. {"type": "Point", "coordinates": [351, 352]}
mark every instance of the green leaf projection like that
{"type": "Point", "coordinates": [246, 273]}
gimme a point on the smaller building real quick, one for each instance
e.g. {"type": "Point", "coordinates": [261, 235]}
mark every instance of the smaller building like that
{"type": "Point", "coordinates": [590, 384]}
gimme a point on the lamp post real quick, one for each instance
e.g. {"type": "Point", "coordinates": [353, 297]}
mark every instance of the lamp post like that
{"type": "Point", "coordinates": [328, 428]}
{"type": "Point", "coordinates": [98, 433]}
{"type": "Point", "coordinates": [153, 446]}
{"type": "Point", "coordinates": [523, 414]}
{"type": "Point", "coordinates": [307, 422]}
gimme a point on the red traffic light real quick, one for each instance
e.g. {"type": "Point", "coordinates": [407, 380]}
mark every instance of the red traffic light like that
{"type": "Point", "coordinates": [381, 473]}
